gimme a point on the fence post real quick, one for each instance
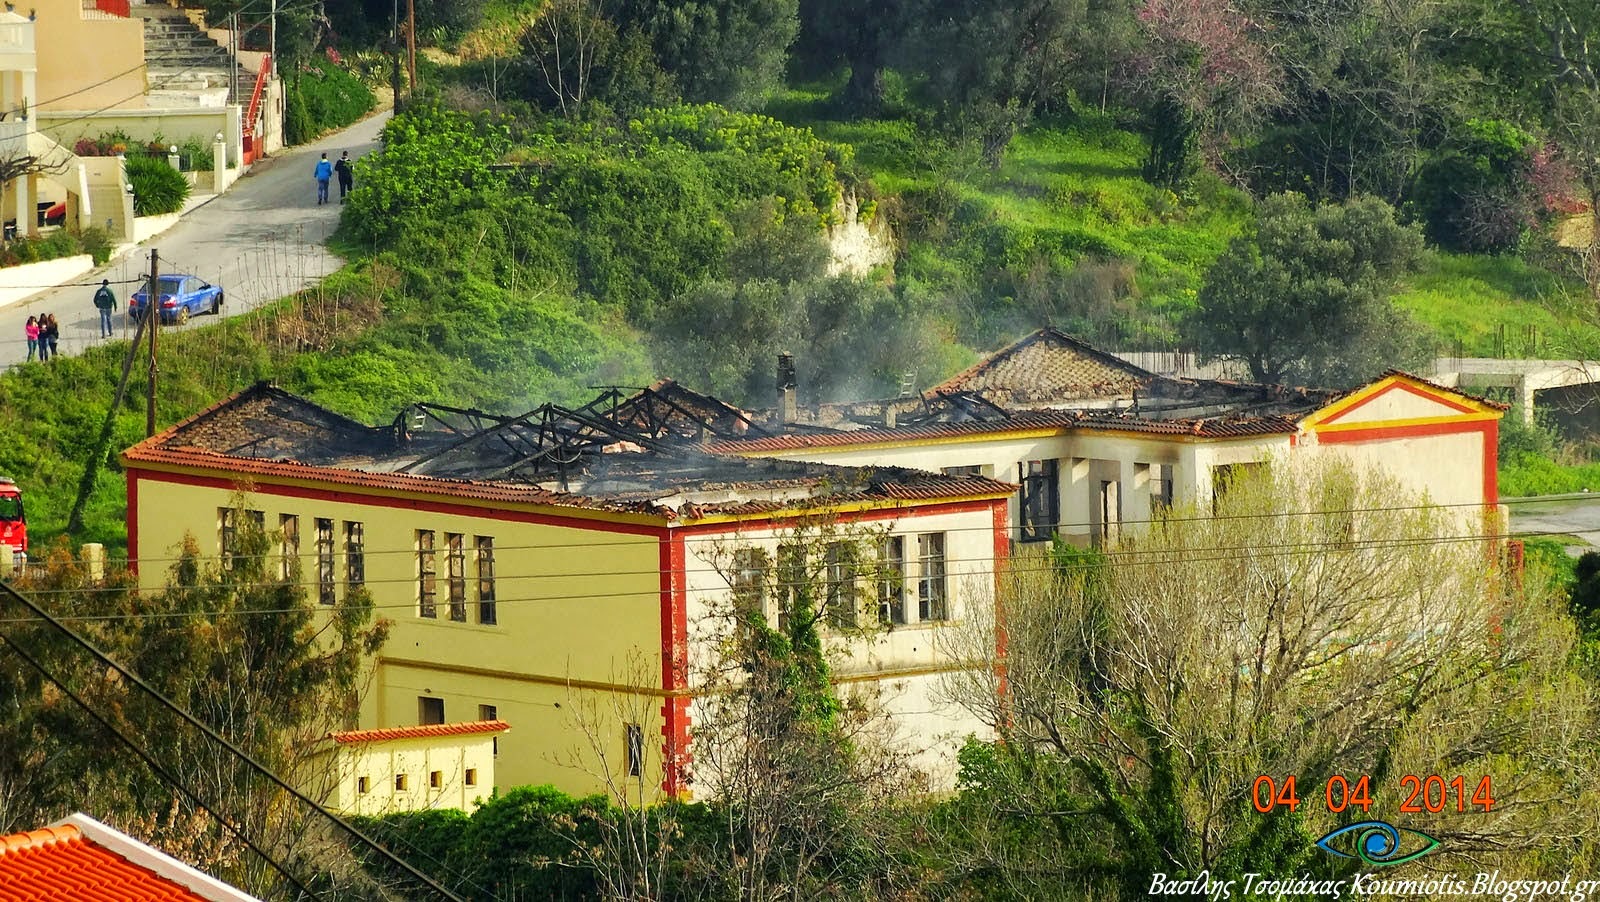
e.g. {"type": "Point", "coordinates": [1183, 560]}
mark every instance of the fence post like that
{"type": "Point", "coordinates": [94, 561]}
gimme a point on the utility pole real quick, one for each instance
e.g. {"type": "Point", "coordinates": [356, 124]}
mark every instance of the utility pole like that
{"type": "Point", "coordinates": [152, 309]}
{"type": "Point", "coordinates": [411, 43]}
{"type": "Point", "coordinates": [394, 51]}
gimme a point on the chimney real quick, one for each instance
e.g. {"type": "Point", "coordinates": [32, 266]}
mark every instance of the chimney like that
{"type": "Point", "coordinates": [889, 416]}
{"type": "Point", "coordinates": [788, 404]}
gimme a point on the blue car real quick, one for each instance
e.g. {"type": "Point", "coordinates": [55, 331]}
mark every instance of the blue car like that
{"type": "Point", "coordinates": [180, 297]}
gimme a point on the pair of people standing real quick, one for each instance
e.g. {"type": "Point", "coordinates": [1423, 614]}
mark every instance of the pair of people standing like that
{"type": "Point", "coordinates": [326, 171]}
{"type": "Point", "coordinates": [43, 333]}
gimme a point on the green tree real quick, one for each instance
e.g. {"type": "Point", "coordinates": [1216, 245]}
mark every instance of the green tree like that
{"type": "Point", "coordinates": [1146, 689]}
{"type": "Point", "coordinates": [992, 65]}
{"type": "Point", "coordinates": [730, 52]}
{"type": "Point", "coordinates": [866, 34]}
{"type": "Point", "coordinates": [234, 642]}
{"type": "Point", "coordinates": [1306, 297]}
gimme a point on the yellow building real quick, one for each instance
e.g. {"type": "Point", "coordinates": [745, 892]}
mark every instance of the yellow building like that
{"type": "Point", "coordinates": [415, 768]}
{"type": "Point", "coordinates": [96, 58]}
{"type": "Point", "coordinates": [556, 570]}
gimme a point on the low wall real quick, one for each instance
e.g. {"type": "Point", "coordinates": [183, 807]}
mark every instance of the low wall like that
{"type": "Point", "coordinates": [145, 227]}
{"type": "Point", "coordinates": [173, 125]}
{"type": "Point", "coordinates": [19, 282]}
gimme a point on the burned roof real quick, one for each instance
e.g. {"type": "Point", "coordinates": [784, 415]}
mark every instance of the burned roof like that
{"type": "Point", "coordinates": [643, 452]}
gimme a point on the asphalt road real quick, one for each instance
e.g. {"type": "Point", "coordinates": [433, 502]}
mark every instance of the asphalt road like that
{"type": "Point", "coordinates": [1577, 517]}
{"type": "Point", "coordinates": [261, 240]}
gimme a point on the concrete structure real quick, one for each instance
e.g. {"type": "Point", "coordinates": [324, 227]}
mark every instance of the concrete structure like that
{"type": "Point", "coordinates": [1524, 379]}
{"type": "Point", "coordinates": [78, 857]}
{"type": "Point", "coordinates": [561, 569]}
{"type": "Point", "coordinates": [45, 172]}
{"type": "Point", "coordinates": [1097, 443]}
{"type": "Point", "coordinates": [413, 768]}
{"type": "Point", "coordinates": [96, 59]}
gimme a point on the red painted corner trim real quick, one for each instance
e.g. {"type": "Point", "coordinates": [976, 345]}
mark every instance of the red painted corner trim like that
{"type": "Point", "coordinates": [674, 664]}
{"type": "Point", "coordinates": [133, 520]}
{"type": "Point", "coordinates": [1491, 462]}
{"type": "Point", "coordinates": [1002, 552]}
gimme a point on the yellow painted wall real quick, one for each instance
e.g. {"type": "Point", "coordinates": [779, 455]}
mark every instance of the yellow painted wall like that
{"type": "Point", "coordinates": [380, 762]}
{"type": "Point", "coordinates": [88, 63]}
{"type": "Point", "coordinates": [573, 604]}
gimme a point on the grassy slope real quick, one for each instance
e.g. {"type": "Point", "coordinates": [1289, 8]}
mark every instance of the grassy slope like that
{"type": "Point", "coordinates": [1079, 188]}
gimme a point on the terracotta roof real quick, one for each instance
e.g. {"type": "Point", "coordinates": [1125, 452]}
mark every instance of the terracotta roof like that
{"type": "Point", "coordinates": [1208, 427]}
{"type": "Point", "coordinates": [1042, 419]}
{"type": "Point", "coordinates": [1049, 365]}
{"type": "Point", "coordinates": [423, 731]}
{"type": "Point", "coordinates": [82, 860]}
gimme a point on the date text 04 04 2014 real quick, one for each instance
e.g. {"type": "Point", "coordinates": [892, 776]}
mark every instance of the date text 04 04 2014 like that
{"type": "Point", "coordinates": [1431, 794]}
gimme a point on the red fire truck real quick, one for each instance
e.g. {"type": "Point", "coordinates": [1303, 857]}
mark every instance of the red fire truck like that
{"type": "Point", "coordinates": [13, 525]}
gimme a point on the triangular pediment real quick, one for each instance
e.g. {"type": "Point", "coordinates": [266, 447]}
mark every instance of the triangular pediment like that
{"type": "Point", "coordinates": [1400, 398]}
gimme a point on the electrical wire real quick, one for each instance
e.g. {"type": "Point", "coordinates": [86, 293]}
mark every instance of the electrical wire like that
{"type": "Point", "coordinates": [1067, 526]}
{"type": "Point", "coordinates": [1154, 557]}
{"type": "Point", "coordinates": [135, 680]}
{"type": "Point", "coordinates": [156, 767]}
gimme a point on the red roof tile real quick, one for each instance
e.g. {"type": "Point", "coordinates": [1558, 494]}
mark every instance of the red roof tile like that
{"type": "Point", "coordinates": [58, 864]}
{"type": "Point", "coordinates": [424, 731]}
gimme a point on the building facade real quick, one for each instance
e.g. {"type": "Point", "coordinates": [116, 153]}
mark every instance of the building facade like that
{"type": "Point", "coordinates": [556, 570]}
{"type": "Point", "coordinates": [1096, 444]}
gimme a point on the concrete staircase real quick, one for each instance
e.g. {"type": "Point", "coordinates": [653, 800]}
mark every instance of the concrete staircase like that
{"type": "Point", "coordinates": [178, 55]}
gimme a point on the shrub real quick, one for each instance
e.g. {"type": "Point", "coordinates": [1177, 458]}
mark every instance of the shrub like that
{"type": "Point", "coordinates": [196, 155]}
{"type": "Point", "coordinates": [322, 97]}
{"type": "Point", "coordinates": [157, 187]}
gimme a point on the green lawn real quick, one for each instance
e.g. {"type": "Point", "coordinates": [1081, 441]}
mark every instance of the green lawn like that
{"type": "Point", "coordinates": [1488, 306]}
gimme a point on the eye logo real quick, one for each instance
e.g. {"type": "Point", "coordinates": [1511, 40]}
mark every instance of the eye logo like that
{"type": "Point", "coordinates": [1377, 843]}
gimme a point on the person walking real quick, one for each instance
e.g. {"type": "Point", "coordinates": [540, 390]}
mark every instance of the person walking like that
{"type": "Point", "coordinates": [324, 172]}
{"type": "Point", "coordinates": [31, 331]}
{"type": "Point", "coordinates": [49, 334]}
{"type": "Point", "coordinates": [347, 174]}
{"type": "Point", "coordinates": [106, 302]}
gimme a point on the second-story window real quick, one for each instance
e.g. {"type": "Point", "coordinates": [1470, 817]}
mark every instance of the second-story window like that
{"type": "Point", "coordinates": [324, 561]}
{"type": "Point", "coordinates": [841, 584]}
{"type": "Point", "coordinates": [892, 581]}
{"type": "Point", "coordinates": [456, 572]}
{"type": "Point", "coordinates": [749, 580]}
{"type": "Point", "coordinates": [1041, 499]}
{"type": "Point", "coordinates": [355, 555]}
{"type": "Point", "coordinates": [229, 524]}
{"type": "Point", "coordinates": [487, 614]}
{"type": "Point", "coordinates": [427, 587]}
{"type": "Point", "coordinates": [289, 545]}
{"type": "Point", "coordinates": [793, 587]}
{"type": "Point", "coordinates": [635, 741]}
{"type": "Point", "coordinates": [932, 592]}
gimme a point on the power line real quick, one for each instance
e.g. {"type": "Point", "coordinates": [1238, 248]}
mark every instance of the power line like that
{"type": "Point", "coordinates": [155, 766]}
{"type": "Point", "coordinates": [135, 680]}
{"type": "Point", "coordinates": [1077, 527]}
{"type": "Point", "coordinates": [1153, 557]}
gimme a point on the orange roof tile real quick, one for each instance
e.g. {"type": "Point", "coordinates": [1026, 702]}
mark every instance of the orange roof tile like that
{"type": "Point", "coordinates": [59, 864]}
{"type": "Point", "coordinates": [423, 731]}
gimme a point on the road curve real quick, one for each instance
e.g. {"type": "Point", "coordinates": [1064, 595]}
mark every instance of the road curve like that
{"type": "Point", "coordinates": [262, 239]}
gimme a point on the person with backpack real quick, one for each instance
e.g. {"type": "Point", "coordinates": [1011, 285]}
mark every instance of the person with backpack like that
{"type": "Point", "coordinates": [106, 302]}
{"type": "Point", "coordinates": [347, 174]}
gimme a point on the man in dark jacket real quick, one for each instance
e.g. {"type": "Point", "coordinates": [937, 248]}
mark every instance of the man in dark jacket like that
{"type": "Point", "coordinates": [106, 302]}
{"type": "Point", "coordinates": [345, 169]}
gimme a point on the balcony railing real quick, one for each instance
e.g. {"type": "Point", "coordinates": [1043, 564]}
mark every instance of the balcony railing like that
{"type": "Point", "coordinates": [106, 9]}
